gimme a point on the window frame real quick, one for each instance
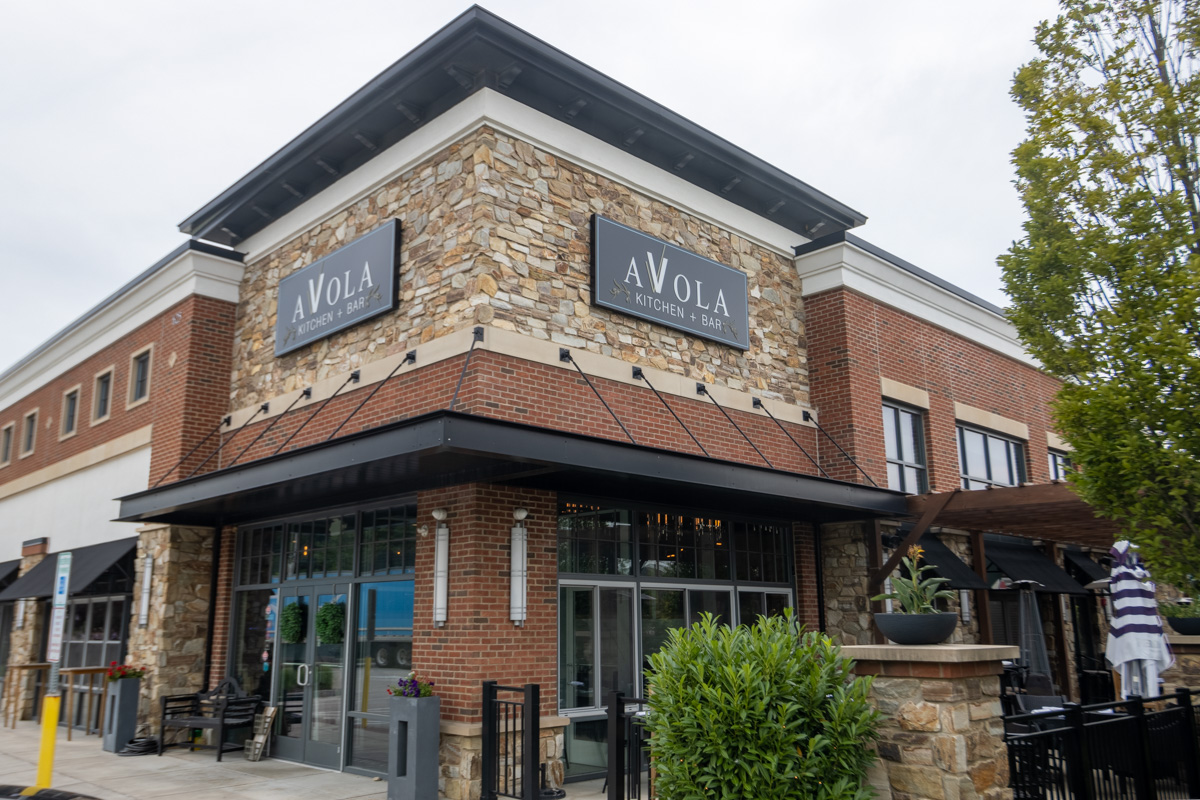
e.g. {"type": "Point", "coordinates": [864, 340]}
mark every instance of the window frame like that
{"type": "Point", "coordinates": [1017, 451]}
{"type": "Point", "coordinates": [130, 400]}
{"type": "Point", "coordinates": [1060, 463]}
{"type": "Point", "coordinates": [9, 431]}
{"type": "Point", "coordinates": [109, 372]}
{"type": "Point", "coordinates": [922, 464]}
{"type": "Point", "coordinates": [63, 433]}
{"type": "Point", "coordinates": [29, 432]}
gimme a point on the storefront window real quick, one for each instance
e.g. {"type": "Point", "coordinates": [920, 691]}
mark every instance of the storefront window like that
{"type": "Point", "coordinates": [382, 656]}
{"type": "Point", "coordinates": [594, 540]}
{"type": "Point", "coordinates": [254, 640]}
{"type": "Point", "coordinates": [389, 541]}
{"type": "Point", "coordinates": [679, 546]}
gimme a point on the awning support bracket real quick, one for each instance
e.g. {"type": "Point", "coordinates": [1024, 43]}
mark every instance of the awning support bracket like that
{"type": "Point", "coordinates": [639, 375]}
{"type": "Point", "coordinates": [476, 338]}
{"type": "Point", "coordinates": [264, 408]}
{"type": "Point", "coordinates": [353, 378]}
{"type": "Point", "coordinates": [564, 355]}
{"type": "Point", "coordinates": [224, 421]}
{"type": "Point", "coordinates": [810, 418]}
{"type": "Point", "coordinates": [303, 395]}
{"type": "Point", "coordinates": [409, 358]}
{"type": "Point", "coordinates": [702, 389]}
{"type": "Point", "coordinates": [758, 403]}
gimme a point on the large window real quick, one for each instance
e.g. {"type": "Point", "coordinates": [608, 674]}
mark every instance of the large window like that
{"type": "Point", "coordinates": [987, 459]}
{"type": "Point", "coordinates": [1060, 465]}
{"type": "Point", "coordinates": [102, 396]}
{"type": "Point", "coordinates": [904, 441]}
{"type": "Point", "coordinates": [139, 377]}
{"type": "Point", "coordinates": [70, 412]}
{"type": "Point", "coordinates": [29, 437]}
{"type": "Point", "coordinates": [6, 443]}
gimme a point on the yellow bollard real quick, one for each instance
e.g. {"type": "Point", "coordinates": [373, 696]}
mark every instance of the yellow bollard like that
{"type": "Point", "coordinates": [45, 768]}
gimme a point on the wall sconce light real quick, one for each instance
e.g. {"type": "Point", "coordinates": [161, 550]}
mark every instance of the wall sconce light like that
{"type": "Point", "coordinates": [964, 605]}
{"type": "Point", "coordinates": [144, 608]}
{"type": "Point", "coordinates": [518, 568]}
{"type": "Point", "coordinates": [441, 568]}
{"type": "Point", "coordinates": [19, 622]}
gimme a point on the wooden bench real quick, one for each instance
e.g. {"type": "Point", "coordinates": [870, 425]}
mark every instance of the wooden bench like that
{"type": "Point", "coordinates": [225, 707]}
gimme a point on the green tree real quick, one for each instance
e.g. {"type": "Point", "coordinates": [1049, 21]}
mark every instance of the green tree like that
{"type": "Point", "coordinates": [1106, 281]}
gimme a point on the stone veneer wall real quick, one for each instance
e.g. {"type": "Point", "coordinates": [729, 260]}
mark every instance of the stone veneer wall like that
{"type": "Point", "coordinates": [172, 646]}
{"type": "Point", "coordinates": [964, 633]}
{"type": "Point", "coordinates": [942, 736]}
{"type": "Point", "coordinates": [1185, 674]}
{"type": "Point", "coordinates": [847, 604]}
{"type": "Point", "coordinates": [24, 643]}
{"type": "Point", "coordinates": [496, 231]}
{"type": "Point", "coordinates": [461, 756]}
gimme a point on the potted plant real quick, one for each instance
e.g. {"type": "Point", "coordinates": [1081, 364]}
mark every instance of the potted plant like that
{"type": "Point", "coordinates": [1183, 616]}
{"type": "Point", "coordinates": [920, 621]}
{"type": "Point", "coordinates": [122, 686]}
{"type": "Point", "coordinates": [414, 734]}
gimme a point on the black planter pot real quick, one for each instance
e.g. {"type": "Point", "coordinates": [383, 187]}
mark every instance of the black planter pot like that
{"type": "Point", "coordinates": [1185, 626]}
{"type": "Point", "coordinates": [917, 628]}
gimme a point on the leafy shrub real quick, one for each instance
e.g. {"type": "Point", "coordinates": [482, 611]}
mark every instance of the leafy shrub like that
{"type": "Point", "coordinates": [753, 712]}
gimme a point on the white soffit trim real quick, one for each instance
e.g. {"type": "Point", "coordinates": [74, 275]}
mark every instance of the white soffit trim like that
{"type": "Point", "coordinates": [192, 273]}
{"type": "Point", "coordinates": [902, 392]}
{"type": "Point", "coordinates": [843, 265]}
{"type": "Point", "coordinates": [487, 107]}
{"type": "Point", "coordinates": [986, 419]}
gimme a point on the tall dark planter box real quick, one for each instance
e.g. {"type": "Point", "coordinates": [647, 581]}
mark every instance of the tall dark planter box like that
{"type": "Point", "coordinates": [120, 712]}
{"type": "Point", "coordinates": [414, 734]}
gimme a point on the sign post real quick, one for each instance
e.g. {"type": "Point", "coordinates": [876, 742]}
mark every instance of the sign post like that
{"type": "Point", "coordinates": [51, 703]}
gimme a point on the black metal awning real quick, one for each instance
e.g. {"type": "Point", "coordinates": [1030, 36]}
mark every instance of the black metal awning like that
{"type": "Point", "coordinates": [1023, 562]}
{"type": "Point", "coordinates": [88, 564]}
{"type": "Point", "coordinates": [1089, 568]}
{"type": "Point", "coordinates": [948, 565]}
{"type": "Point", "coordinates": [8, 572]}
{"type": "Point", "coordinates": [446, 448]}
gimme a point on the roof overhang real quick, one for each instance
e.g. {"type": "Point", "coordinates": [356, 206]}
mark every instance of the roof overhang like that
{"type": "Point", "coordinates": [1050, 511]}
{"type": "Point", "coordinates": [478, 50]}
{"type": "Point", "coordinates": [448, 448]}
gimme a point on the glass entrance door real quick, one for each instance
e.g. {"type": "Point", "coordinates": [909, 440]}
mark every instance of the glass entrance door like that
{"type": "Point", "coordinates": [311, 678]}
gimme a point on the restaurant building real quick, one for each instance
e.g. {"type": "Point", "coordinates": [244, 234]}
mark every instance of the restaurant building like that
{"type": "Point", "coordinates": [499, 371]}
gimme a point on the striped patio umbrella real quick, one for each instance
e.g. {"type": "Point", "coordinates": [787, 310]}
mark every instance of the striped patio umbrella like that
{"type": "Point", "coordinates": [1137, 648]}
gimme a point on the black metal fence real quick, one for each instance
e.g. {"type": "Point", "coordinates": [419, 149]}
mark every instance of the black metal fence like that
{"type": "Point", "coordinates": [628, 747]}
{"type": "Point", "coordinates": [511, 741]}
{"type": "Point", "coordinates": [1129, 750]}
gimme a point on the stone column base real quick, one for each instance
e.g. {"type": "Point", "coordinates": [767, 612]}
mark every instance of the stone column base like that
{"type": "Point", "coordinates": [942, 736]}
{"type": "Point", "coordinates": [1185, 674]}
{"type": "Point", "coordinates": [461, 757]}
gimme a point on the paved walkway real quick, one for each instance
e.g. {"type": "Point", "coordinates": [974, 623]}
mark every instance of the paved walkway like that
{"type": "Point", "coordinates": [82, 766]}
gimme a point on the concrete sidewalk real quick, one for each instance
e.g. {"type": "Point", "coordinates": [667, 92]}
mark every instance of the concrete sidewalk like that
{"type": "Point", "coordinates": [82, 766]}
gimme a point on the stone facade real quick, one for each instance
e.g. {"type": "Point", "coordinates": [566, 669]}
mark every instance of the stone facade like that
{"type": "Point", "coordinates": [1185, 674]}
{"type": "Point", "coordinates": [25, 643]}
{"type": "Point", "coordinates": [942, 736]}
{"type": "Point", "coordinates": [847, 604]}
{"type": "Point", "coordinates": [496, 231]}
{"type": "Point", "coordinates": [461, 757]}
{"type": "Point", "coordinates": [173, 645]}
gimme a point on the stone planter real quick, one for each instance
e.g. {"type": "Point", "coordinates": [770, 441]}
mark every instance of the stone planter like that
{"type": "Point", "coordinates": [917, 628]}
{"type": "Point", "coordinates": [120, 712]}
{"type": "Point", "coordinates": [413, 737]}
{"type": "Point", "coordinates": [1185, 626]}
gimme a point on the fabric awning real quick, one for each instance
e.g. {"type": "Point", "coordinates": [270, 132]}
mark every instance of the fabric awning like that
{"type": "Point", "coordinates": [948, 565]}
{"type": "Point", "coordinates": [1087, 566]}
{"type": "Point", "coordinates": [8, 570]}
{"type": "Point", "coordinates": [1023, 562]}
{"type": "Point", "coordinates": [87, 564]}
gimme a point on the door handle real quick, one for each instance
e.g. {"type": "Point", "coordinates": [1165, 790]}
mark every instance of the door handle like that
{"type": "Point", "coordinates": [305, 681]}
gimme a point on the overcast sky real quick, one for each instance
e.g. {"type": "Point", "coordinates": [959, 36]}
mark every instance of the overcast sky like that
{"type": "Point", "coordinates": [119, 119]}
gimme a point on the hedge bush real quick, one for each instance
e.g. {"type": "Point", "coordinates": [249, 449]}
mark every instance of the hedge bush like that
{"type": "Point", "coordinates": [753, 712]}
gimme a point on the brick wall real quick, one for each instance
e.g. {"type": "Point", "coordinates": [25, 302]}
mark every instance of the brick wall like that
{"type": "Point", "coordinates": [222, 595]}
{"type": "Point", "coordinates": [510, 388]}
{"type": "Point", "coordinates": [478, 641]}
{"type": "Point", "coordinates": [854, 341]}
{"type": "Point", "coordinates": [188, 391]}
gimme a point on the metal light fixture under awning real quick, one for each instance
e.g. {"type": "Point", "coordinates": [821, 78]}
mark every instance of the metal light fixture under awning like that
{"type": "Point", "coordinates": [1023, 562]}
{"type": "Point", "coordinates": [88, 564]}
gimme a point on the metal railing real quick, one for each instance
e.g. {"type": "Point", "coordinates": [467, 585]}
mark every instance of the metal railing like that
{"type": "Point", "coordinates": [1136, 749]}
{"type": "Point", "coordinates": [628, 747]}
{"type": "Point", "coordinates": [511, 746]}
